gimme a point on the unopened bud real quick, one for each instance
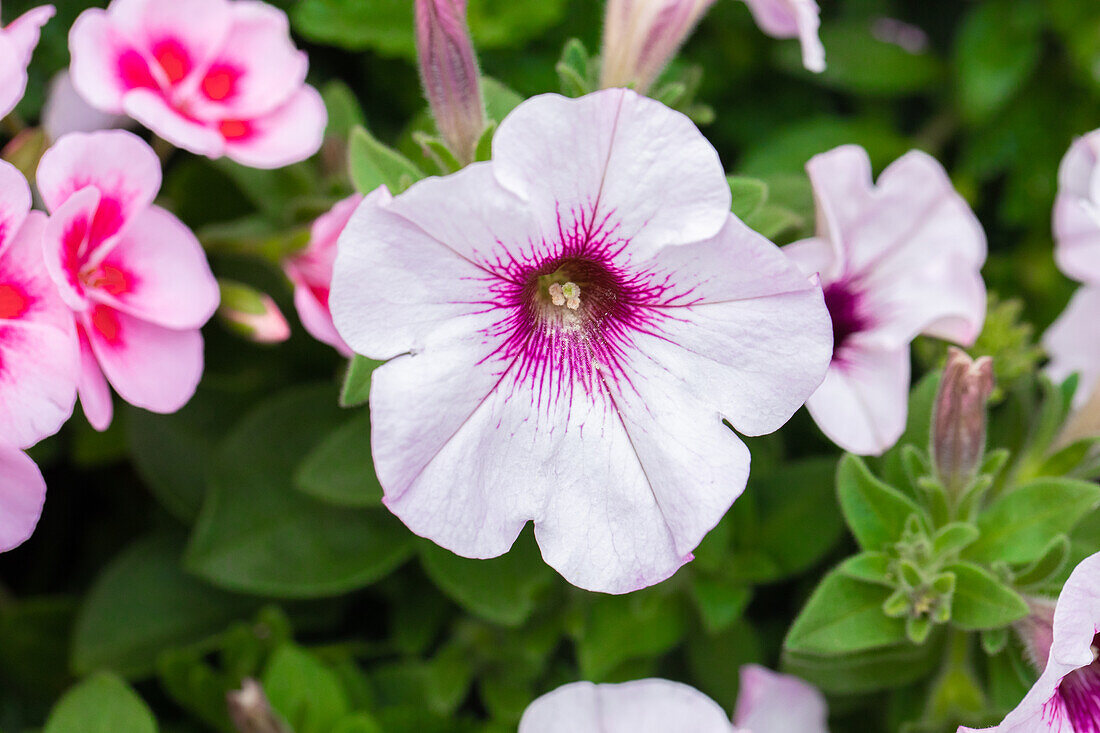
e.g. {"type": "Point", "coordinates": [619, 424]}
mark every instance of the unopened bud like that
{"type": "Point", "coordinates": [251, 712]}
{"type": "Point", "coordinates": [958, 418]}
{"type": "Point", "coordinates": [251, 314]}
{"type": "Point", "coordinates": [640, 37]}
{"type": "Point", "coordinates": [450, 75]}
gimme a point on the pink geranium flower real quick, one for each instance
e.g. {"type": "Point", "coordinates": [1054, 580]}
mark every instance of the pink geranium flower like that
{"type": "Point", "coordinates": [134, 276]}
{"type": "Point", "coordinates": [22, 494]}
{"type": "Point", "coordinates": [792, 19]}
{"type": "Point", "coordinates": [767, 703]}
{"type": "Point", "coordinates": [311, 273]}
{"type": "Point", "coordinates": [66, 111]}
{"type": "Point", "coordinates": [896, 259]}
{"type": "Point", "coordinates": [17, 43]}
{"type": "Point", "coordinates": [1077, 211]}
{"type": "Point", "coordinates": [569, 326]}
{"type": "Point", "coordinates": [213, 76]}
{"type": "Point", "coordinates": [1066, 698]}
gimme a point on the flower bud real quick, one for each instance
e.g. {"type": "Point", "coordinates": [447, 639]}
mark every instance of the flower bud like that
{"type": "Point", "coordinates": [251, 314]}
{"type": "Point", "coordinates": [450, 75]}
{"type": "Point", "coordinates": [641, 36]}
{"type": "Point", "coordinates": [251, 712]}
{"type": "Point", "coordinates": [958, 418]}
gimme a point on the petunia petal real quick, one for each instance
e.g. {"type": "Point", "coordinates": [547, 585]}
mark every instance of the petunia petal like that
{"type": "Point", "coordinates": [159, 273]}
{"type": "Point", "coordinates": [792, 19]}
{"type": "Point", "coordinates": [1077, 211]}
{"type": "Point", "coordinates": [22, 495]}
{"type": "Point", "coordinates": [619, 169]}
{"type": "Point", "coordinates": [289, 134]}
{"type": "Point", "coordinates": [149, 366]}
{"type": "Point", "coordinates": [1073, 342]}
{"type": "Point", "coordinates": [862, 404]}
{"type": "Point", "coordinates": [768, 702]}
{"type": "Point", "coordinates": [641, 706]}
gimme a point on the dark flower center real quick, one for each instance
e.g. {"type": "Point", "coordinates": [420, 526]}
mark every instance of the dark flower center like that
{"type": "Point", "coordinates": [844, 310]}
{"type": "Point", "coordinates": [575, 294]}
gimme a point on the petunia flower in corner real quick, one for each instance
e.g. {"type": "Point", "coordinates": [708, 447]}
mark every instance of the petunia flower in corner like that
{"type": "Point", "coordinates": [310, 271]}
{"type": "Point", "coordinates": [767, 703]}
{"type": "Point", "coordinates": [570, 326]}
{"type": "Point", "coordinates": [38, 358]}
{"type": "Point", "coordinates": [792, 19]}
{"type": "Point", "coordinates": [18, 40]}
{"type": "Point", "coordinates": [1066, 698]}
{"type": "Point", "coordinates": [135, 278]}
{"type": "Point", "coordinates": [898, 258]}
{"type": "Point", "coordinates": [217, 77]}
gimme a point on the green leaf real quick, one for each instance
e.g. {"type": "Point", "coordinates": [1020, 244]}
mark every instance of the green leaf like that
{"type": "Point", "coordinates": [918, 430]}
{"type": "Point", "coordinates": [843, 616]}
{"type": "Point", "coordinates": [101, 704]}
{"type": "Point", "coordinates": [875, 512]}
{"type": "Point", "coordinates": [884, 668]}
{"type": "Point", "coordinates": [356, 389]}
{"type": "Point", "coordinates": [303, 691]}
{"type": "Point", "coordinates": [373, 164]}
{"type": "Point", "coordinates": [270, 191]}
{"type": "Point", "coordinates": [142, 603]}
{"type": "Point", "coordinates": [340, 469]}
{"type": "Point", "coordinates": [749, 194]}
{"type": "Point", "coordinates": [861, 63]}
{"type": "Point", "coordinates": [257, 534]}
{"type": "Point", "coordinates": [771, 221]}
{"type": "Point", "coordinates": [499, 99]}
{"type": "Point", "coordinates": [799, 521]}
{"type": "Point", "coordinates": [869, 567]}
{"type": "Point", "coordinates": [573, 69]}
{"type": "Point", "coordinates": [344, 112]}
{"type": "Point", "coordinates": [997, 48]}
{"type": "Point", "coordinates": [720, 602]}
{"type": "Point", "coordinates": [502, 589]}
{"type": "Point", "coordinates": [358, 723]}
{"type": "Point", "coordinates": [620, 628]}
{"type": "Point", "coordinates": [35, 636]}
{"type": "Point", "coordinates": [1049, 565]}
{"type": "Point", "coordinates": [1017, 526]}
{"type": "Point", "coordinates": [981, 601]}
{"type": "Point", "coordinates": [953, 538]}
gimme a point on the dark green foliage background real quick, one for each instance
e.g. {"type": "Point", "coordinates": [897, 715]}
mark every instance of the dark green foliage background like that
{"type": "Point", "coordinates": [182, 552]}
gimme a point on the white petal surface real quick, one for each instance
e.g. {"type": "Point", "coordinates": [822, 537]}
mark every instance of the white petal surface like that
{"type": "Point", "coordinates": [1077, 210]}
{"type": "Point", "coordinates": [768, 702]}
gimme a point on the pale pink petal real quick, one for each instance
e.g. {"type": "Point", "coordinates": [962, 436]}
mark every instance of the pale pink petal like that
{"type": "Point", "coordinates": [420, 259]}
{"type": "Point", "coordinates": [104, 65]}
{"type": "Point", "coordinates": [1073, 342]}
{"type": "Point", "coordinates": [641, 706]}
{"type": "Point", "coordinates": [792, 19]}
{"type": "Point", "coordinates": [66, 111]}
{"type": "Point", "coordinates": [619, 169]}
{"type": "Point", "coordinates": [13, 76]}
{"type": "Point", "coordinates": [151, 367]}
{"type": "Point", "coordinates": [257, 69]}
{"type": "Point", "coordinates": [744, 305]}
{"type": "Point", "coordinates": [38, 367]}
{"type": "Point", "coordinates": [24, 31]}
{"type": "Point", "coordinates": [768, 702]}
{"type": "Point", "coordinates": [95, 393]}
{"type": "Point", "coordinates": [289, 134]}
{"type": "Point", "coordinates": [327, 228]}
{"type": "Point", "coordinates": [190, 31]}
{"type": "Point", "coordinates": [15, 203]}
{"type": "Point", "coordinates": [22, 495]}
{"type": "Point", "coordinates": [815, 256]}
{"type": "Point", "coordinates": [65, 244]}
{"type": "Point", "coordinates": [1077, 211]}
{"type": "Point", "coordinates": [122, 166]}
{"type": "Point", "coordinates": [316, 319]}
{"type": "Point", "coordinates": [862, 404]}
{"type": "Point", "coordinates": [150, 109]}
{"type": "Point", "coordinates": [159, 273]}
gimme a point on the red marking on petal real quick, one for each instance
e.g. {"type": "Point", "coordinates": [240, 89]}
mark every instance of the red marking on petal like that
{"type": "Point", "coordinates": [235, 129]}
{"type": "Point", "coordinates": [72, 243]}
{"type": "Point", "coordinates": [13, 301]}
{"type": "Point", "coordinates": [105, 322]}
{"type": "Point", "coordinates": [320, 293]}
{"type": "Point", "coordinates": [173, 59]}
{"type": "Point", "coordinates": [220, 82]}
{"type": "Point", "coordinates": [134, 72]}
{"type": "Point", "coordinates": [112, 280]}
{"type": "Point", "coordinates": [107, 221]}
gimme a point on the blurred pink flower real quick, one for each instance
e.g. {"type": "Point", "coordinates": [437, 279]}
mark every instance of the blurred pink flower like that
{"type": "Point", "coordinates": [1066, 698]}
{"type": "Point", "coordinates": [1077, 211]}
{"type": "Point", "coordinates": [213, 76]}
{"type": "Point", "coordinates": [640, 37]}
{"type": "Point", "coordinates": [567, 327]}
{"type": "Point", "coordinates": [448, 70]}
{"type": "Point", "coordinates": [66, 111]}
{"type": "Point", "coordinates": [134, 276]}
{"type": "Point", "coordinates": [1073, 342]}
{"type": "Point", "coordinates": [311, 273]}
{"type": "Point", "coordinates": [22, 494]}
{"type": "Point", "coordinates": [17, 43]}
{"type": "Point", "coordinates": [767, 703]}
{"type": "Point", "coordinates": [792, 19]}
{"type": "Point", "coordinates": [896, 259]}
